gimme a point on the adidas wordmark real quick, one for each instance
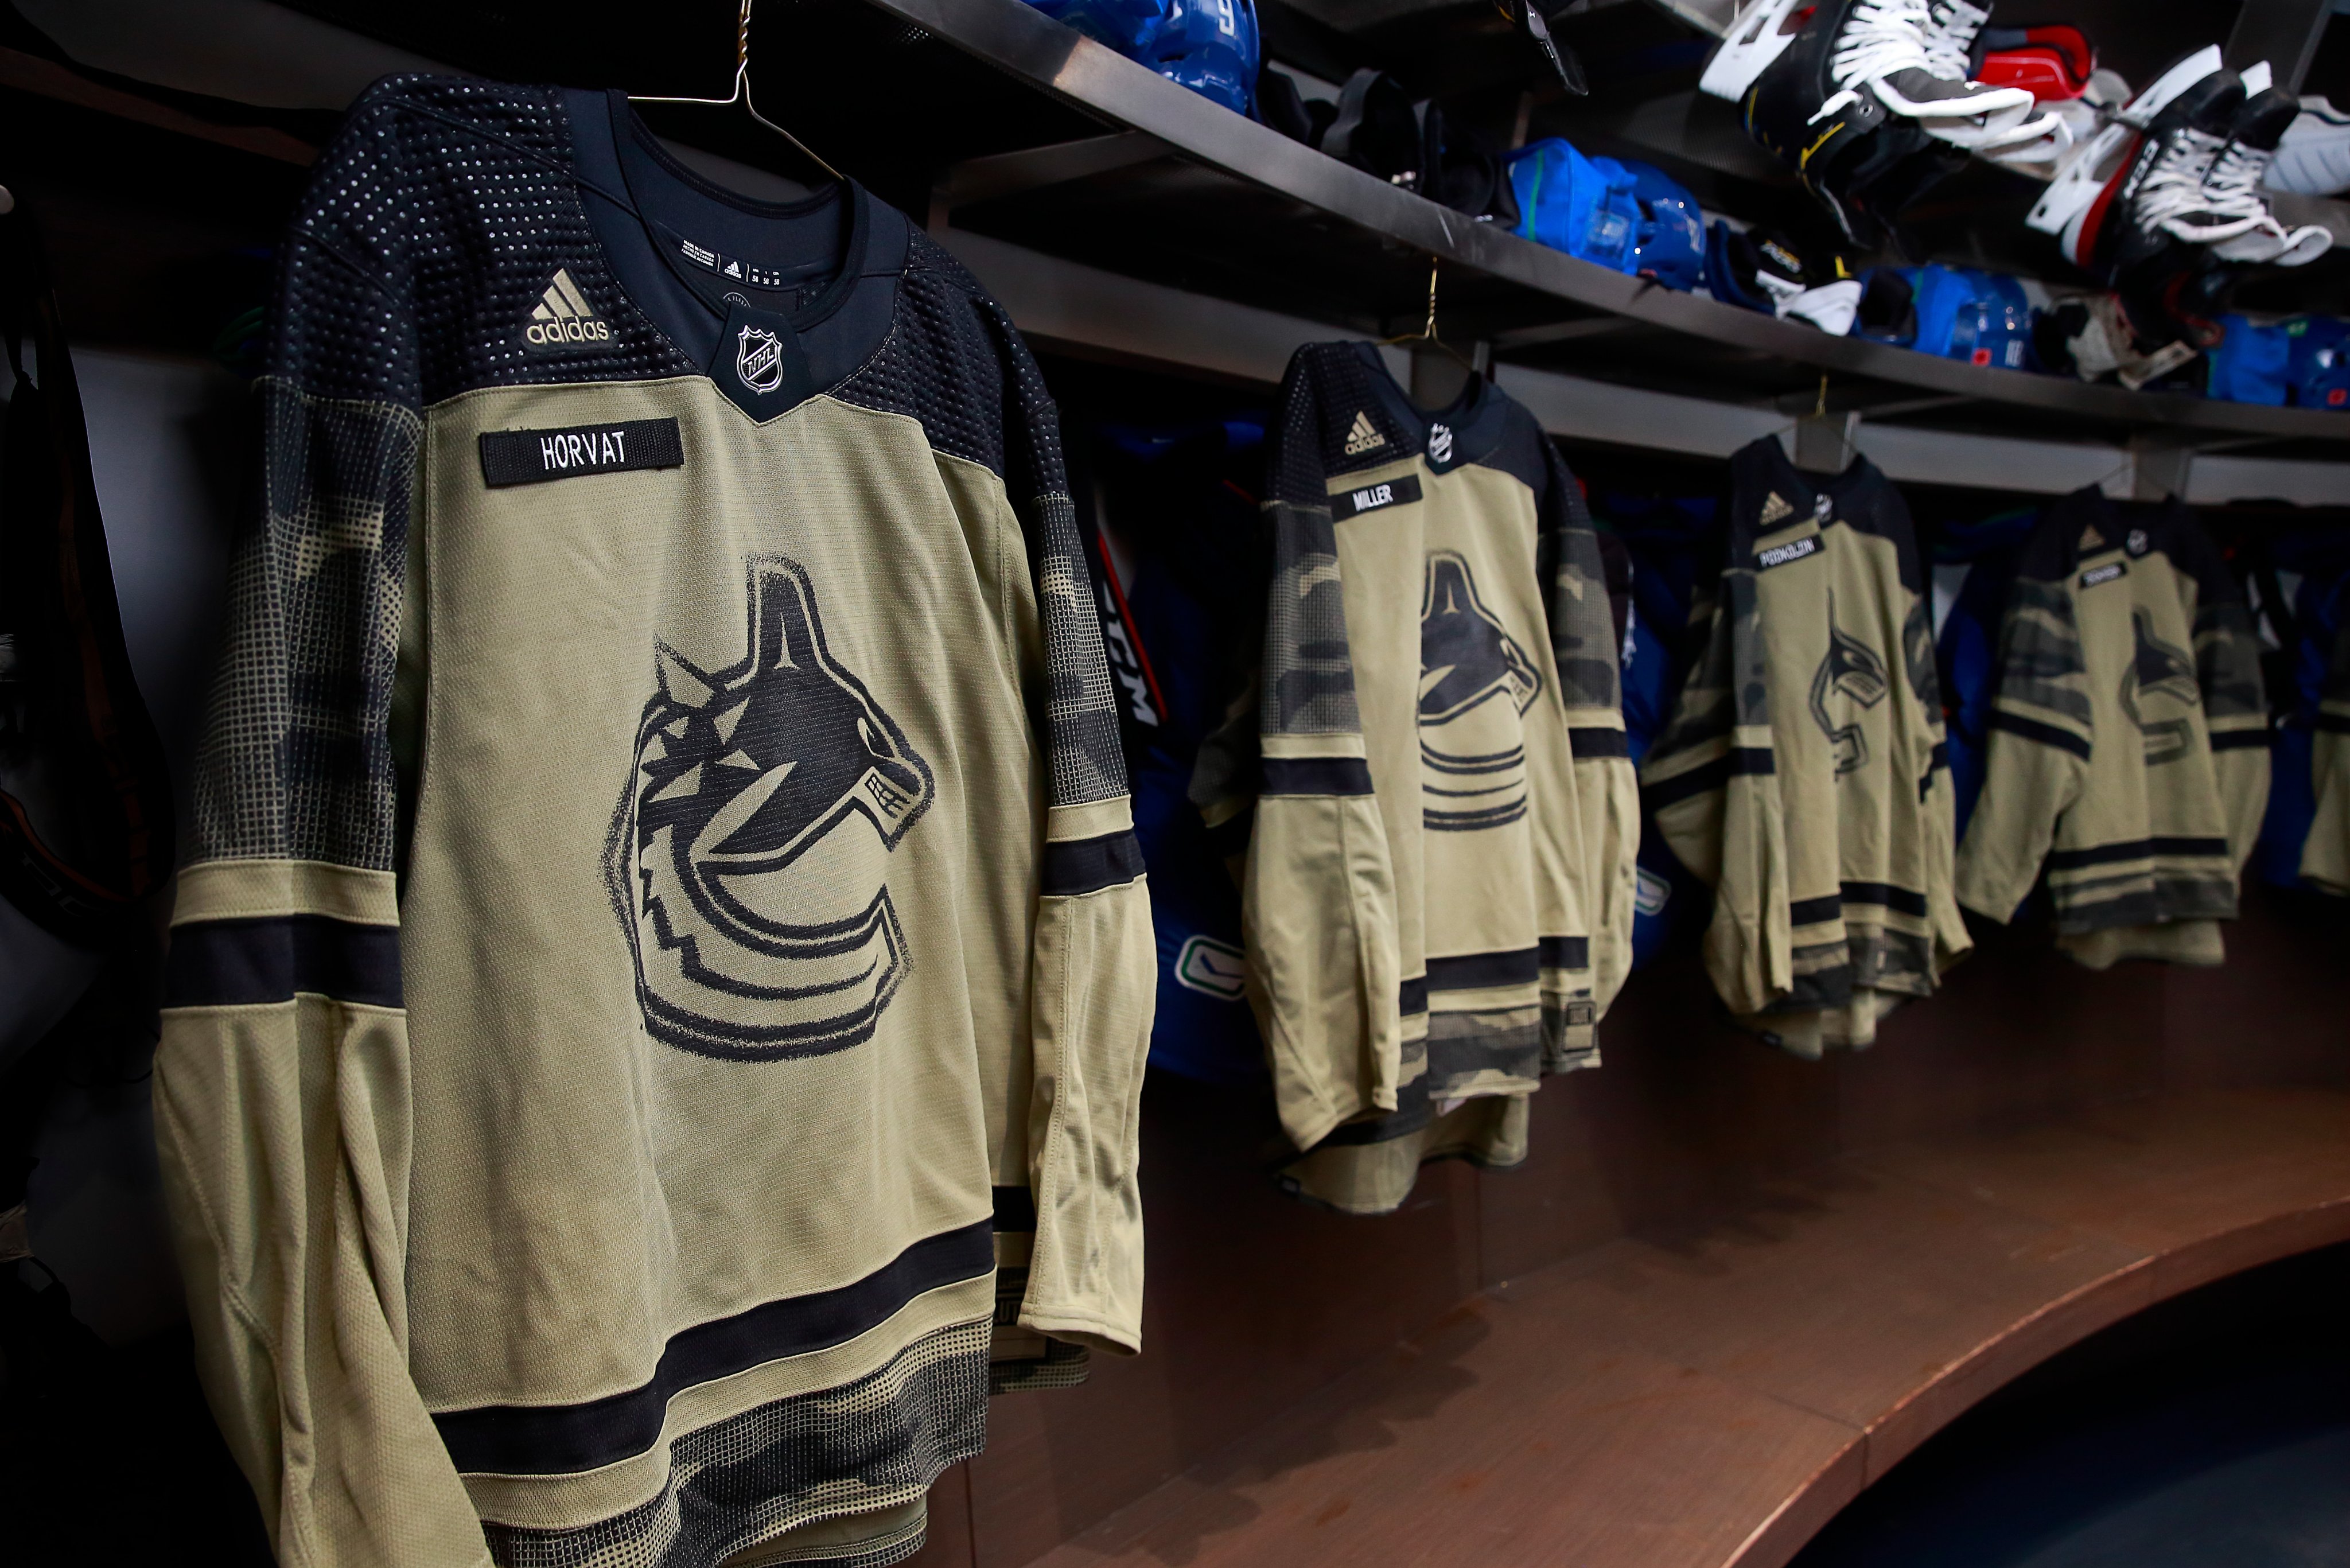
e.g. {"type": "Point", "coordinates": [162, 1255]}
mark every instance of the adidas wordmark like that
{"type": "Point", "coordinates": [563, 316]}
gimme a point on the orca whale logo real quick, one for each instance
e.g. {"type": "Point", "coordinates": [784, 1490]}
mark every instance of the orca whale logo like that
{"type": "Point", "coordinates": [1475, 684]}
{"type": "Point", "coordinates": [749, 852]}
{"type": "Point", "coordinates": [1850, 666]}
{"type": "Point", "coordinates": [2158, 668]}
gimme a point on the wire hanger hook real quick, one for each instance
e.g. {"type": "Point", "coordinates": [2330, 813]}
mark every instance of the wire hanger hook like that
{"type": "Point", "coordinates": [742, 94]}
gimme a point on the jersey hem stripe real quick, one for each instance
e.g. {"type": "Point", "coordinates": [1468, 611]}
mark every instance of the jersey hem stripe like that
{"type": "Point", "coordinates": [559, 1439]}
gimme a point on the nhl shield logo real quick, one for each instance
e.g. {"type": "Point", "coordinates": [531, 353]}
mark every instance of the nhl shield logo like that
{"type": "Point", "coordinates": [748, 856]}
{"type": "Point", "coordinates": [759, 359]}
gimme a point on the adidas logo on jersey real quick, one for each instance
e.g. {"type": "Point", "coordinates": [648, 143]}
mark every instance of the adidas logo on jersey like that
{"type": "Point", "coordinates": [1362, 436]}
{"type": "Point", "coordinates": [563, 317]}
{"type": "Point", "coordinates": [2091, 539]}
{"type": "Point", "coordinates": [1775, 506]}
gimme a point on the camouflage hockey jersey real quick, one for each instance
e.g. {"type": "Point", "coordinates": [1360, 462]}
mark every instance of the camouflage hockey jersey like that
{"type": "Point", "coordinates": [2130, 747]}
{"type": "Point", "coordinates": [1804, 776]}
{"type": "Point", "coordinates": [2325, 855]}
{"type": "Point", "coordinates": [666, 920]}
{"type": "Point", "coordinates": [1438, 890]}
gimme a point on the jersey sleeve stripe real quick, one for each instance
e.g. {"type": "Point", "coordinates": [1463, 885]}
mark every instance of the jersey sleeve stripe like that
{"type": "Point", "coordinates": [1739, 761]}
{"type": "Point", "coordinates": [237, 963]}
{"type": "Point", "coordinates": [2252, 739]}
{"type": "Point", "coordinates": [2140, 850]}
{"type": "Point", "coordinates": [1316, 776]}
{"type": "Point", "coordinates": [1477, 972]}
{"type": "Point", "coordinates": [2046, 735]}
{"type": "Point", "coordinates": [1597, 741]}
{"type": "Point", "coordinates": [1089, 865]}
{"type": "Point", "coordinates": [1566, 952]}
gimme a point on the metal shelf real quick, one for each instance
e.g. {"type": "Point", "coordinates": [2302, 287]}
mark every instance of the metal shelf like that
{"type": "Point", "coordinates": [1178, 189]}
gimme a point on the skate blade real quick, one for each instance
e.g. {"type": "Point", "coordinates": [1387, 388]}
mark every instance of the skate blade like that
{"type": "Point", "coordinates": [1760, 35]}
{"type": "Point", "coordinates": [2041, 152]}
{"type": "Point", "coordinates": [1991, 142]}
{"type": "Point", "coordinates": [2078, 180]}
{"type": "Point", "coordinates": [1989, 112]}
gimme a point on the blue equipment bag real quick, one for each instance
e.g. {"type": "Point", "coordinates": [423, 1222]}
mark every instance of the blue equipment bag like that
{"type": "Point", "coordinates": [1210, 46]}
{"type": "Point", "coordinates": [1584, 206]}
{"type": "Point", "coordinates": [2250, 364]}
{"type": "Point", "coordinates": [1978, 316]}
{"type": "Point", "coordinates": [2319, 366]}
{"type": "Point", "coordinates": [1670, 244]}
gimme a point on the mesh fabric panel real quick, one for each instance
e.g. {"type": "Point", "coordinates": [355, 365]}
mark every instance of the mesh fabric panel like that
{"type": "Point", "coordinates": [954, 362]}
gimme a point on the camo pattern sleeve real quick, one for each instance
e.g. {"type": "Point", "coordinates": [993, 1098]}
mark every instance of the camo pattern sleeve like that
{"type": "Point", "coordinates": [1712, 778]}
{"type": "Point", "coordinates": [1096, 978]}
{"type": "Point", "coordinates": [2228, 672]}
{"type": "Point", "coordinates": [281, 1080]}
{"type": "Point", "coordinates": [1937, 792]}
{"type": "Point", "coordinates": [2043, 729]}
{"type": "Point", "coordinates": [1607, 793]}
{"type": "Point", "coordinates": [1318, 903]}
{"type": "Point", "coordinates": [2325, 856]}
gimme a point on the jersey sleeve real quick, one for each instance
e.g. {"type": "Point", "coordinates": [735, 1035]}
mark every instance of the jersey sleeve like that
{"type": "Point", "coordinates": [1711, 781]}
{"type": "Point", "coordinates": [282, 1088]}
{"type": "Point", "coordinates": [2039, 743]}
{"type": "Point", "coordinates": [1937, 793]}
{"type": "Point", "coordinates": [1318, 900]}
{"type": "Point", "coordinates": [1094, 971]}
{"type": "Point", "coordinates": [2235, 700]}
{"type": "Point", "coordinates": [2325, 855]}
{"type": "Point", "coordinates": [1584, 643]}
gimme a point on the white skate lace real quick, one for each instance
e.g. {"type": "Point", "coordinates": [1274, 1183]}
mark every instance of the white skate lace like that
{"type": "Point", "coordinates": [1950, 38]}
{"type": "Point", "coordinates": [2233, 185]}
{"type": "Point", "coordinates": [1880, 37]}
{"type": "Point", "coordinates": [2173, 191]}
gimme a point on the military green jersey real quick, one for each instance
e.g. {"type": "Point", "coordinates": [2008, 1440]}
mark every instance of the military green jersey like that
{"type": "Point", "coordinates": [2128, 748]}
{"type": "Point", "coordinates": [2325, 855]}
{"type": "Point", "coordinates": [1804, 775]}
{"type": "Point", "coordinates": [1438, 890]}
{"type": "Point", "coordinates": [666, 925]}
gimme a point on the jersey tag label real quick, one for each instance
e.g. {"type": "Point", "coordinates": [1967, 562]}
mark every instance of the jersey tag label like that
{"type": "Point", "coordinates": [2105, 574]}
{"type": "Point", "coordinates": [1400, 491]}
{"type": "Point", "coordinates": [1793, 550]}
{"type": "Point", "coordinates": [574, 451]}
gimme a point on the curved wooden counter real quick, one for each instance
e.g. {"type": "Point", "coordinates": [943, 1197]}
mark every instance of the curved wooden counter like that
{"type": "Point", "coordinates": [1712, 1398]}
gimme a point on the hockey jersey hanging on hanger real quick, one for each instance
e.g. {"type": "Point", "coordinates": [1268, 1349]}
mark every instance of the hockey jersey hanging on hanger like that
{"type": "Point", "coordinates": [2129, 741]}
{"type": "Point", "coordinates": [1442, 818]}
{"type": "Point", "coordinates": [1804, 775]}
{"type": "Point", "coordinates": [666, 972]}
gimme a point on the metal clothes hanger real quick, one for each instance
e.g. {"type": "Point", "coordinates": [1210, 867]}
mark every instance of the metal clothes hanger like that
{"type": "Point", "coordinates": [742, 94]}
{"type": "Point", "coordinates": [1427, 333]}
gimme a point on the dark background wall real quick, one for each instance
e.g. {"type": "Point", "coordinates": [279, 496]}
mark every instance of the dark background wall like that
{"type": "Point", "coordinates": [1255, 1299]}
